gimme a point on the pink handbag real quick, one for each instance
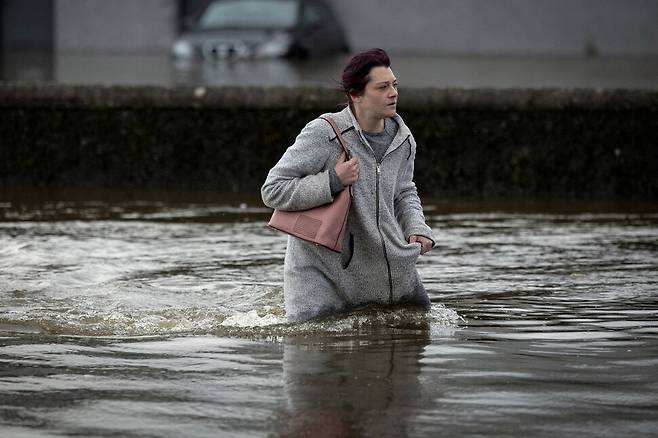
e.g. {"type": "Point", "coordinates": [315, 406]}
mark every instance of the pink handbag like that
{"type": "Point", "coordinates": [323, 225]}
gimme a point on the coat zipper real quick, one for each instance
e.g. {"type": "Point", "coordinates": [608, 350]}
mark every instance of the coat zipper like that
{"type": "Point", "coordinates": [381, 236]}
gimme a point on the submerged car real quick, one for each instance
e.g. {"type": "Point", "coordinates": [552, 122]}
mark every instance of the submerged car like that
{"type": "Point", "coordinates": [258, 29]}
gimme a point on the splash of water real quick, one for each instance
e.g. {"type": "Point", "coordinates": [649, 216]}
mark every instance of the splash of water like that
{"type": "Point", "coordinates": [369, 319]}
{"type": "Point", "coordinates": [265, 321]}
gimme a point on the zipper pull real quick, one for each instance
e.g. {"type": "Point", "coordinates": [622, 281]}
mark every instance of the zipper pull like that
{"type": "Point", "coordinates": [378, 169]}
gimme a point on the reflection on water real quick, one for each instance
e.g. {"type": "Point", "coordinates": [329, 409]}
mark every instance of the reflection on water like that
{"type": "Point", "coordinates": [137, 317]}
{"type": "Point", "coordinates": [368, 386]}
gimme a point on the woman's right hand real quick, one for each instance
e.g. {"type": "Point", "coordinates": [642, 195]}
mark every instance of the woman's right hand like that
{"type": "Point", "coordinates": [348, 171]}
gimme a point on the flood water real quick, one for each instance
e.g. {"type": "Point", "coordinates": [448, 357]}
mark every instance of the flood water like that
{"type": "Point", "coordinates": [152, 316]}
{"type": "Point", "coordinates": [414, 71]}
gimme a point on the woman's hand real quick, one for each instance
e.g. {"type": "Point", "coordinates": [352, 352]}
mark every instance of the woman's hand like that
{"type": "Point", "coordinates": [425, 243]}
{"type": "Point", "coordinates": [348, 171]}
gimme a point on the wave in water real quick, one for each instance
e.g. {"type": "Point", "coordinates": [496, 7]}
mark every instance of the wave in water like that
{"type": "Point", "coordinates": [265, 321]}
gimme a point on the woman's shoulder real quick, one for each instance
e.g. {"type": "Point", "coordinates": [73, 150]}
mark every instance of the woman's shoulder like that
{"type": "Point", "coordinates": [316, 134]}
{"type": "Point", "coordinates": [319, 128]}
{"type": "Point", "coordinates": [342, 118]}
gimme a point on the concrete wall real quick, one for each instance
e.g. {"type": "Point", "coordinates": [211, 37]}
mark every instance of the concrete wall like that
{"type": "Point", "coordinates": [116, 25]}
{"type": "Point", "coordinates": [491, 27]}
{"type": "Point", "coordinates": [556, 27]}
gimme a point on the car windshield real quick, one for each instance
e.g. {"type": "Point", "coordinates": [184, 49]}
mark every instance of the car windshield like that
{"type": "Point", "coordinates": [249, 13]}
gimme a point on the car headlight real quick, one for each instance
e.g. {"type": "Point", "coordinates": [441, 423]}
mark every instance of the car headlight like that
{"type": "Point", "coordinates": [183, 49]}
{"type": "Point", "coordinates": [276, 47]}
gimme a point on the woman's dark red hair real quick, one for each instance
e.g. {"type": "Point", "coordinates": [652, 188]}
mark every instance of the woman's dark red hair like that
{"type": "Point", "coordinates": [357, 71]}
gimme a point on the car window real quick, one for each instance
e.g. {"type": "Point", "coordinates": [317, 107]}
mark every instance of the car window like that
{"type": "Point", "coordinates": [313, 14]}
{"type": "Point", "coordinates": [249, 13]}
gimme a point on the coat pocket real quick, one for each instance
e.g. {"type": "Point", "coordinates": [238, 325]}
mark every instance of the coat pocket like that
{"type": "Point", "coordinates": [348, 252]}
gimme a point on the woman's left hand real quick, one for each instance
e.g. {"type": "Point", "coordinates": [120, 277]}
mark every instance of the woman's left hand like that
{"type": "Point", "coordinates": [425, 243]}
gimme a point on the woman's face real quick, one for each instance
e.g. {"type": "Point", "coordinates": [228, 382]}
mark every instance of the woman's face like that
{"type": "Point", "coordinates": [380, 96]}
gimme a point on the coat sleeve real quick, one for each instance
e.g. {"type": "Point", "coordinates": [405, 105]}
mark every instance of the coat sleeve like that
{"type": "Point", "coordinates": [408, 209]}
{"type": "Point", "coordinates": [300, 180]}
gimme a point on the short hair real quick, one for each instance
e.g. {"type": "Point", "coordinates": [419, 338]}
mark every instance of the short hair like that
{"type": "Point", "coordinates": [356, 74]}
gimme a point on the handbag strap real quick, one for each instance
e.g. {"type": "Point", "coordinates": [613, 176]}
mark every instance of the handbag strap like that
{"type": "Point", "coordinates": [332, 122]}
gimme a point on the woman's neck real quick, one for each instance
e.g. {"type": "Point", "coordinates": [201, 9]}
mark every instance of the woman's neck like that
{"type": "Point", "coordinates": [368, 124]}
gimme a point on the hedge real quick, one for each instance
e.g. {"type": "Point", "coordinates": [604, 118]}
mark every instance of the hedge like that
{"type": "Point", "coordinates": [548, 143]}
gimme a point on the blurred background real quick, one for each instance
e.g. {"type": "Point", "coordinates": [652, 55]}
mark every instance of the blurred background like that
{"type": "Point", "coordinates": [444, 43]}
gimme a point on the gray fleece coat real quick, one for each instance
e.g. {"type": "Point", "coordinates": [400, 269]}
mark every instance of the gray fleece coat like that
{"type": "Point", "coordinates": [377, 264]}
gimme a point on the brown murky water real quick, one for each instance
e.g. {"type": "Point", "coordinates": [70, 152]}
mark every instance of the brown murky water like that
{"type": "Point", "coordinates": [132, 316]}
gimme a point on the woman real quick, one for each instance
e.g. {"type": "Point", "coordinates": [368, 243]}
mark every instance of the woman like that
{"type": "Point", "coordinates": [386, 230]}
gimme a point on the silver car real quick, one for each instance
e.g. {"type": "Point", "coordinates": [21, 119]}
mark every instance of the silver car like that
{"type": "Point", "coordinates": [260, 29]}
